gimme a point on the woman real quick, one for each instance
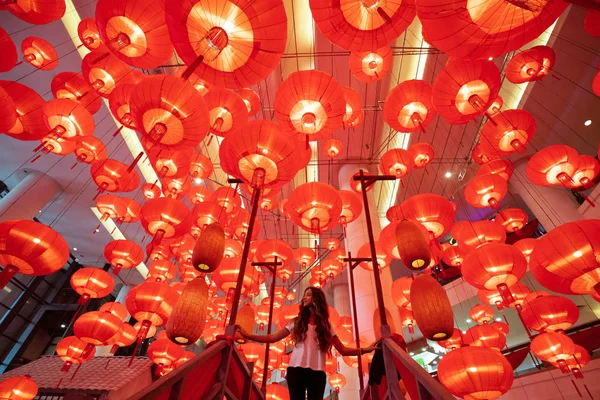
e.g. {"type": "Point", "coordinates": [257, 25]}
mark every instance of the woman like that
{"type": "Point", "coordinates": [314, 337]}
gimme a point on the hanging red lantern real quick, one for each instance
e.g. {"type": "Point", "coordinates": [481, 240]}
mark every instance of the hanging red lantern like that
{"type": "Point", "coordinates": [431, 308]}
{"type": "Point", "coordinates": [486, 191]}
{"type": "Point", "coordinates": [579, 359]}
{"type": "Point", "coordinates": [311, 103]}
{"type": "Point", "coordinates": [434, 212]}
{"type": "Point", "coordinates": [481, 314]}
{"type": "Point", "coordinates": [332, 147]}
{"type": "Point", "coordinates": [240, 223]}
{"type": "Point", "coordinates": [30, 248]}
{"type": "Point", "coordinates": [337, 381]}
{"type": "Point", "coordinates": [509, 132]}
{"type": "Point", "coordinates": [8, 116]}
{"type": "Point", "coordinates": [383, 260]}
{"type": "Point", "coordinates": [275, 391]}
{"type": "Point", "coordinates": [198, 194]}
{"type": "Point", "coordinates": [39, 53]}
{"type": "Point", "coordinates": [135, 34]}
{"type": "Point", "coordinates": [169, 112]}
{"type": "Point", "coordinates": [123, 254]}
{"type": "Point", "coordinates": [530, 65]}
{"type": "Point", "coordinates": [226, 276]}
{"type": "Point", "coordinates": [67, 119]}
{"type": "Point", "coordinates": [92, 283]}
{"type": "Point", "coordinates": [358, 121]}
{"type": "Point", "coordinates": [37, 12]}
{"type": "Point", "coordinates": [73, 350]}
{"type": "Point", "coordinates": [251, 100]}
{"type": "Point", "coordinates": [164, 352]}
{"type": "Point", "coordinates": [9, 52]}
{"type": "Point", "coordinates": [353, 104]}
{"type": "Point", "coordinates": [363, 25]}
{"type": "Point", "coordinates": [227, 111]}
{"type": "Point", "coordinates": [98, 328]}
{"type": "Point", "coordinates": [549, 313]}
{"type": "Point", "coordinates": [114, 176]}
{"type": "Point", "coordinates": [119, 103]}
{"type": "Point", "coordinates": [215, 45]}
{"type": "Point", "coordinates": [72, 86]}
{"type": "Point", "coordinates": [132, 211]}
{"type": "Point", "coordinates": [519, 293]}
{"type": "Point", "coordinates": [409, 106]}
{"type": "Point", "coordinates": [526, 247]}
{"type": "Point", "coordinates": [484, 336]}
{"type": "Point", "coordinates": [304, 256]}
{"type": "Point", "coordinates": [315, 207]}
{"type": "Point", "coordinates": [401, 291]}
{"type": "Point", "coordinates": [396, 162]}
{"type": "Point", "coordinates": [565, 259]}
{"type": "Point", "coordinates": [19, 388]}
{"type": "Point", "coordinates": [87, 30]}
{"type": "Point", "coordinates": [491, 297]}
{"type": "Point", "coordinates": [413, 245]}
{"type": "Point", "coordinates": [586, 173]}
{"type": "Point", "coordinates": [370, 66]}
{"type": "Point", "coordinates": [111, 206]}
{"type": "Point", "coordinates": [553, 165]}
{"type": "Point", "coordinates": [469, 30]}
{"type": "Point", "coordinates": [422, 154]}
{"type": "Point", "coordinates": [331, 268]}
{"type": "Point", "coordinates": [233, 248]}
{"type": "Point", "coordinates": [165, 218]}
{"type": "Point", "coordinates": [271, 248]}
{"type": "Point", "coordinates": [89, 150]}
{"type": "Point", "coordinates": [500, 166]}
{"type": "Point", "coordinates": [495, 107]}
{"type": "Point", "coordinates": [104, 72]}
{"type": "Point", "coordinates": [151, 303]}
{"type": "Point", "coordinates": [262, 148]}
{"type": "Point", "coordinates": [512, 219]}
{"type": "Point", "coordinates": [407, 318]}
{"type": "Point", "coordinates": [553, 347]}
{"type": "Point", "coordinates": [29, 124]}
{"type": "Point", "coordinates": [170, 163]}
{"type": "Point", "coordinates": [187, 355]}
{"type": "Point", "coordinates": [332, 243]}
{"type": "Point", "coordinates": [162, 270]}
{"type": "Point", "coordinates": [268, 203]}
{"type": "Point", "coordinates": [472, 235]}
{"type": "Point", "coordinates": [151, 191]}
{"type": "Point", "coordinates": [465, 89]}
{"type": "Point", "coordinates": [116, 309]}
{"type": "Point", "coordinates": [476, 373]}
{"type": "Point", "coordinates": [480, 156]}
{"type": "Point", "coordinates": [453, 256]}
{"type": "Point", "coordinates": [227, 198]}
{"type": "Point", "coordinates": [351, 206]}
{"type": "Point", "coordinates": [210, 212]}
{"type": "Point", "coordinates": [454, 342]}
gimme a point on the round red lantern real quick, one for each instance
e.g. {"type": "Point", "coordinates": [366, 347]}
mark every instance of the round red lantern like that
{"type": "Point", "coordinates": [586, 173]}
{"type": "Point", "coordinates": [315, 207]}
{"type": "Point", "coordinates": [549, 313]}
{"type": "Point", "coordinates": [495, 107]}
{"type": "Point", "coordinates": [73, 350]}
{"type": "Point", "coordinates": [226, 109]}
{"type": "Point", "coordinates": [530, 65]}
{"type": "Point", "coordinates": [227, 198]}
{"type": "Point", "coordinates": [485, 191]}
{"type": "Point", "coordinates": [422, 154]}
{"type": "Point", "coordinates": [116, 309]}
{"type": "Point", "coordinates": [332, 147]}
{"type": "Point", "coordinates": [454, 342]}
{"type": "Point", "coordinates": [396, 162]}
{"type": "Point", "coordinates": [165, 218]}
{"type": "Point", "coordinates": [433, 211]}
{"type": "Point", "coordinates": [553, 347]}
{"type": "Point", "coordinates": [351, 206]}
{"type": "Point", "coordinates": [162, 270]}
{"type": "Point", "coordinates": [512, 219]}
{"type": "Point", "coordinates": [526, 247]}
{"type": "Point", "coordinates": [98, 328]}
{"type": "Point", "coordinates": [89, 150]}
{"type": "Point", "coordinates": [164, 352]}
{"type": "Point", "coordinates": [39, 53]}
{"type": "Point", "coordinates": [123, 254]}
{"type": "Point", "coordinates": [92, 283]}
{"type": "Point", "coordinates": [472, 235]}
{"type": "Point", "coordinates": [104, 72]}
{"type": "Point", "coordinates": [72, 86]}
{"type": "Point", "coordinates": [409, 106]}
{"type": "Point", "coordinates": [304, 256]}
{"type": "Point", "coordinates": [401, 291]}
{"type": "Point", "coordinates": [372, 65]}
{"type": "Point", "coordinates": [30, 248]}
{"type": "Point", "coordinates": [383, 260]}
{"type": "Point", "coordinates": [87, 30]}
{"type": "Point", "coordinates": [480, 156]}
{"type": "Point", "coordinates": [510, 132]}
{"type": "Point", "coordinates": [251, 100]}
{"type": "Point", "coordinates": [114, 176]}
{"type": "Point", "coordinates": [484, 336]}
{"type": "Point", "coordinates": [500, 166]}
{"type": "Point", "coordinates": [67, 119]}
{"type": "Point", "coordinates": [29, 124]}
{"type": "Point", "coordinates": [453, 256]}
{"type": "Point", "coordinates": [9, 52]}
{"type": "Point", "coordinates": [151, 303]}
{"type": "Point", "coordinates": [481, 314]}
{"type": "Point", "coordinates": [19, 388]}
{"type": "Point", "coordinates": [553, 165]}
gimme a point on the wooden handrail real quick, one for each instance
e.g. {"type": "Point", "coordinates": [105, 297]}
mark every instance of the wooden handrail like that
{"type": "Point", "coordinates": [424, 380]}
{"type": "Point", "coordinates": [180, 373]}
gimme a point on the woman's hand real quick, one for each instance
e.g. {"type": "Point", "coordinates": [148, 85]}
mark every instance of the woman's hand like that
{"type": "Point", "coordinates": [241, 331]}
{"type": "Point", "coordinates": [369, 349]}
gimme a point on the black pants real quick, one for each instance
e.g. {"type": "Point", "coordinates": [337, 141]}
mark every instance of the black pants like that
{"type": "Point", "coordinates": [305, 381]}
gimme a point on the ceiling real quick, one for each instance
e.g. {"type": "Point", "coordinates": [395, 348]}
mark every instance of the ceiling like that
{"type": "Point", "coordinates": [560, 104]}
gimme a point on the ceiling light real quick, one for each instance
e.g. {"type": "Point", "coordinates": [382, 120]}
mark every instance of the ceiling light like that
{"type": "Point", "coordinates": [424, 349]}
{"type": "Point", "coordinates": [96, 230]}
{"type": "Point", "coordinates": [499, 319]}
{"type": "Point", "coordinates": [469, 320]}
{"type": "Point", "coordinates": [435, 362]}
{"type": "Point", "coordinates": [448, 174]}
{"type": "Point", "coordinates": [74, 248]}
{"type": "Point", "coordinates": [63, 326]}
{"type": "Point", "coordinates": [412, 354]}
{"type": "Point", "coordinates": [588, 122]}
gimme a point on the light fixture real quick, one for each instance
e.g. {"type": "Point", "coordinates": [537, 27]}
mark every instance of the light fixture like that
{"type": "Point", "coordinates": [63, 326]}
{"type": "Point", "coordinates": [294, 290]}
{"type": "Point", "coordinates": [412, 354]}
{"type": "Point", "coordinates": [469, 320]}
{"type": "Point", "coordinates": [74, 248]}
{"type": "Point", "coordinates": [448, 174]}
{"type": "Point", "coordinates": [435, 362]}
{"type": "Point", "coordinates": [498, 319]}
{"type": "Point", "coordinates": [424, 349]}
{"type": "Point", "coordinates": [97, 230]}
{"type": "Point", "coordinates": [588, 122]}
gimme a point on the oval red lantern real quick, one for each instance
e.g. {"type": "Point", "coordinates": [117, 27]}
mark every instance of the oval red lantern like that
{"type": "Point", "coordinates": [9, 52]}
{"type": "Point", "coordinates": [72, 86]}
{"type": "Point", "coordinates": [486, 191]}
{"type": "Point", "coordinates": [310, 103]}
{"type": "Point", "coordinates": [422, 154]}
{"type": "Point", "coordinates": [508, 133]}
{"type": "Point", "coordinates": [104, 72]}
{"type": "Point", "coordinates": [315, 207]}
{"type": "Point", "coordinates": [530, 65]}
{"type": "Point", "coordinates": [431, 308]}
{"type": "Point", "coordinates": [512, 219]}
{"type": "Point", "coordinates": [413, 245]}
{"type": "Point", "coordinates": [30, 248]}
{"type": "Point", "coordinates": [123, 254]}
{"type": "Point", "coordinates": [19, 388]}
{"type": "Point", "coordinates": [226, 109]}
{"type": "Point", "coordinates": [553, 165]}
{"type": "Point", "coordinates": [372, 65]}
{"type": "Point", "coordinates": [409, 106]}
{"type": "Point", "coordinates": [92, 283]}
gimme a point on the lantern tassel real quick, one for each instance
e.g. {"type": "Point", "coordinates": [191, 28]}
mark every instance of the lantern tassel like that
{"type": "Point", "coordinates": [588, 391]}
{"type": "Point", "coordinates": [36, 158]}
{"type": "Point", "coordinates": [195, 64]}
{"type": "Point", "coordinates": [589, 201]}
{"type": "Point", "coordinates": [118, 130]}
{"type": "Point", "coordinates": [59, 382]}
{"type": "Point", "coordinates": [210, 137]}
{"type": "Point", "coordinates": [576, 388]}
{"type": "Point", "coordinates": [76, 370]}
{"type": "Point", "coordinates": [102, 57]}
{"type": "Point", "coordinates": [134, 163]}
{"type": "Point", "coordinates": [66, 367]}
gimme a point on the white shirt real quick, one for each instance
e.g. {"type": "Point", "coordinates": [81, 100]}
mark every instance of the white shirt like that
{"type": "Point", "coordinates": [307, 354]}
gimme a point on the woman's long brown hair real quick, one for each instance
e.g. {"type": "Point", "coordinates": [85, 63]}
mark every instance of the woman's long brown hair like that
{"type": "Point", "coordinates": [322, 328]}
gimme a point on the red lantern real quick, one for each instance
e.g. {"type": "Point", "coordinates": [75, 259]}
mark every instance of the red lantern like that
{"type": "Point", "coordinates": [72, 86]}
{"type": "Point", "coordinates": [586, 173]}
{"type": "Point", "coordinates": [530, 65]}
{"type": "Point", "coordinates": [39, 53]}
{"type": "Point", "coordinates": [9, 52]}
{"type": "Point", "coordinates": [209, 212]}
{"type": "Point", "coordinates": [476, 373]}
{"type": "Point", "coordinates": [304, 256]}
{"type": "Point", "coordinates": [409, 107]}
{"type": "Point", "coordinates": [315, 207]}
{"type": "Point", "coordinates": [388, 242]}
{"type": "Point", "coordinates": [164, 352]}
{"type": "Point", "coordinates": [30, 248]}
{"type": "Point", "coordinates": [311, 103]}
{"type": "Point", "coordinates": [351, 206]}
{"type": "Point", "coordinates": [187, 355]}
{"type": "Point", "coordinates": [169, 112]}
{"type": "Point", "coordinates": [407, 318]}
{"type": "Point", "coordinates": [98, 328]}
{"type": "Point", "coordinates": [422, 154]}
{"type": "Point", "coordinates": [239, 225]}
{"type": "Point", "coordinates": [512, 219]}
{"type": "Point", "coordinates": [29, 124]}
{"type": "Point", "coordinates": [331, 268]}
{"type": "Point", "coordinates": [496, 106]}
{"type": "Point", "coordinates": [275, 391]}
{"type": "Point", "coordinates": [519, 293]}
{"type": "Point", "coordinates": [8, 116]}
{"type": "Point", "coordinates": [485, 191]}
{"type": "Point", "coordinates": [383, 260]}
{"type": "Point", "coordinates": [226, 276]}
{"type": "Point", "coordinates": [401, 291]}
{"type": "Point", "coordinates": [332, 244]}
{"type": "Point", "coordinates": [135, 34]}
{"type": "Point", "coordinates": [491, 297]}
{"type": "Point", "coordinates": [472, 235]}
{"type": "Point", "coordinates": [454, 342]}
{"type": "Point", "coordinates": [73, 350]}
{"type": "Point", "coordinates": [119, 102]}
{"type": "Point", "coordinates": [480, 156]}
{"type": "Point", "coordinates": [549, 313]}
{"type": "Point", "coordinates": [93, 283]}
{"type": "Point", "coordinates": [87, 30]}
{"type": "Point", "coordinates": [553, 348]}
{"type": "Point", "coordinates": [151, 303]}
{"type": "Point", "coordinates": [470, 30]}
{"type": "Point", "coordinates": [227, 198]}
{"type": "Point", "coordinates": [485, 336]}
{"type": "Point", "coordinates": [332, 147]}
{"type": "Point", "coordinates": [269, 249]}
{"type": "Point", "coordinates": [434, 212]}
{"type": "Point", "coordinates": [465, 89]}
{"type": "Point", "coordinates": [114, 176]}
{"type": "Point", "coordinates": [251, 100]}
{"type": "Point", "coordinates": [579, 359]}
{"type": "Point", "coordinates": [162, 270]}
{"type": "Point", "coordinates": [227, 111]}
{"type": "Point", "coordinates": [116, 309]}
{"type": "Point", "coordinates": [362, 26]}
{"type": "Point", "coordinates": [263, 148]}
{"type": "Point", "coordinates": [510, 132]}
{"type": "Point", "coordinates": [67, 119]}
{"type": "Point", "coordinates": [170, 163]}
{"type": "Point", "coordinates": [104, 72]}
{"type": "Point", "coordinates": [500, 166]}
{"type": "Point", "coordinates": [37, 12]}
{"type": "Point", "coordinates": [453, 256]}
{"type": "Point", "coordinates": [165, 217]}
{"type": "Point", "coordinates": [123, 254]}
{"type": "Point", "coordinates": [337, 381]}
{"type": "Point", "coordinates": [89, 150]}
{"type": "Point", "coordinates": [553, 165]}
{"type": "Point", "coordinates": [481, 314]}
{"type": "Point", "coordinates": [370, 66]}
{"type": "Point", "coordinates": [526, 247]}
{"type": "Point", "coordinates": [268, 203]}
{"type": "Point", "coordinates": [111, 206]}
{"type": "Point", "coordinates": [151, 191]}
{"type": "Point", "coordinates": [565, 259]}
{"type": "Point", "coordinates": [396, 162]}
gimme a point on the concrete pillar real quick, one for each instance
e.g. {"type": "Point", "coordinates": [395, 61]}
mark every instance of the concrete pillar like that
{"type": "Point", "coordinates": [29, 196]}
{"type": "Point", "coordinates": [552, 206]}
